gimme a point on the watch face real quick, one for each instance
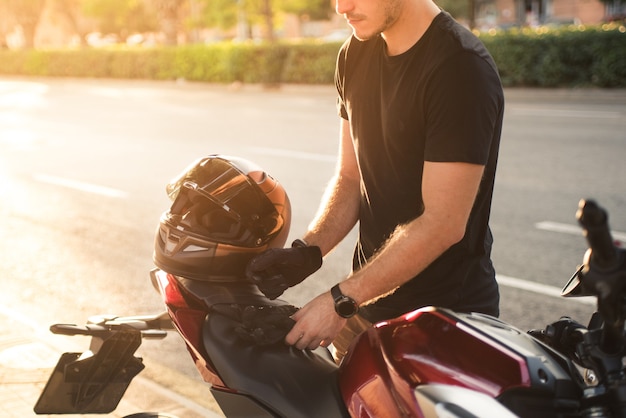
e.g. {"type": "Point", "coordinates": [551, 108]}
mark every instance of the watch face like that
{"type": "Point", "coordinates": [346, 307]}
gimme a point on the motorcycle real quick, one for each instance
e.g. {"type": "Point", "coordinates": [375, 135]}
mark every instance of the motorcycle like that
{"type": "Point", "coordinates": [431, 362]}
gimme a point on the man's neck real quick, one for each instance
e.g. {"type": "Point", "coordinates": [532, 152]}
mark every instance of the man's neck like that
{"type": "Point", "coordinates": [414, 20]}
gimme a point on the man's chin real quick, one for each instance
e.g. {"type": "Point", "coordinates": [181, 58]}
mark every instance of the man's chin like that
{"type": "Point", "coordinates": [364, 36]}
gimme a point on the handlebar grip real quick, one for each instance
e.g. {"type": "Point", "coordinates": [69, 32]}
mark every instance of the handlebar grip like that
{"type": "Point", "coordinates": [594, 221]}
{"type": "Point", "coordinates": [71, 329]}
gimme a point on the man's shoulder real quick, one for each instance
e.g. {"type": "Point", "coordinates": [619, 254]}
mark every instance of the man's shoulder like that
{"type": "Point", "coordinates": [456, 35]}
{"type": "Point", "coordinates": [451, 42]}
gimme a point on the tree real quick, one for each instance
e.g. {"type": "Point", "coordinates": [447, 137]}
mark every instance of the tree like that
{"type": "Point", "coordinates": [227, 14]}
{"type": "Point", "coordinates": [72, 11]}
{"type": "Point", "coordinates": [170, 14]}
{"type": "Point", "coordinates": [26, 14]}
{"type": "Point", "coordinates": [120, 17]}
{"type": "Point", "coordinates": [222, 14]}
{"type": "Point", "coordinates": [307, 10]}
{"type": "Point", "coordinates": [312, 10]}
{"type": "Point", "coordinates": [267, 11]}
{"type": "Point", "coordinates": [260, 12]}
{"type": "Point", "coordinates": [6, 24]}
{"type": "Point", "coordinates": [461, 9]}
{"type": "Point", "coordinates": [457, 8]}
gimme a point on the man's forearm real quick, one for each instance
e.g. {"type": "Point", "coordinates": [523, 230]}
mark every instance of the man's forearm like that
{"type": "Point", "coordinates": [337, 214]}
{"type": "Point", "coordinates": [449, 190]}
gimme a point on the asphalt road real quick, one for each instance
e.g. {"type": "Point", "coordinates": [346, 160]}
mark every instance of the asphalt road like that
{"type": "Point", "coordinates": [83, 165]}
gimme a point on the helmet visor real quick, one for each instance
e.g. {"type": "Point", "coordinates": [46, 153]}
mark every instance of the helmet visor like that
{"type": "Point", "coordinates": [219, 201]}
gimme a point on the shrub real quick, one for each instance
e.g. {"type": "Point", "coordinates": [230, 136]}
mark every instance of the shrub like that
{"type": "Point", "coordinates": [563, 57]}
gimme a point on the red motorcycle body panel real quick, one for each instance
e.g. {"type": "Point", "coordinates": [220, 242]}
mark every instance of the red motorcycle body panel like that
{"type": "Point", "coordinates": [384, 366]}
{"type": "Point", "coordinates": [188, 318]}
{"type": "Point", "coordinates": [436, 346]}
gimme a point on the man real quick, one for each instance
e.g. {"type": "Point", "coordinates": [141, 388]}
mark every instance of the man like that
{"type": "Point", "coordinates": [421, 106]}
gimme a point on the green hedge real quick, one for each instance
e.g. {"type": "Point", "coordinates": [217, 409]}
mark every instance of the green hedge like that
{"type": "Point", "coordinates": [308, 63]}
{"type": "Point", "coordinates": [567, 57]}
{"type": "Point", "coordinates": [563, 57]}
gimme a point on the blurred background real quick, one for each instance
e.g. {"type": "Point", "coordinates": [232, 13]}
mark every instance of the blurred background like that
{"type": "Point", "coordinates": [103, 101]}
{"type": "Point", "coordinates": [98, 23]}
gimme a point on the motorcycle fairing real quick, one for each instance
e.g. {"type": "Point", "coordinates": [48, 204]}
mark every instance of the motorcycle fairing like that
{"type": "Point", "coordinates": [438, 400]}
{"type": "Point", "coordinates": [437, 346]}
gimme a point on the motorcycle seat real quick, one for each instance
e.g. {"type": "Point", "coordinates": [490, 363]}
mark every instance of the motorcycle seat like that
{"type": "Point", "coordinates": [295, 383]}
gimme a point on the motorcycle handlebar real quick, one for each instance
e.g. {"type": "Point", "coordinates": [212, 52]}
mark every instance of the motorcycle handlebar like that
{"type": "Point", "coordinates": [72, 329]}
{"type": "Point", "coordinates": [604, 274]}
{"type": "Point", "coordinates": [594, 221]}
{"type": "Point", "coordinates": [152, 327]}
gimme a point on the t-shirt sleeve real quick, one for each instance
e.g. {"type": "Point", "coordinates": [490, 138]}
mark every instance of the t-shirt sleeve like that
{"type": "Point", "coordinates": [463, 106]}
{"type": "Point", "coordinates": [340, 77]}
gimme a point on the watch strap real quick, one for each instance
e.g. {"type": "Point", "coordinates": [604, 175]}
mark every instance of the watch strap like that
{"type": "Point", "coordinates": [335, 292]}
{"type": "Point", "coordinates": [299, 243]}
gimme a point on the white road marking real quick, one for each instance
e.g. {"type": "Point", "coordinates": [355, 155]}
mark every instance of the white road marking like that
{"type": "Point", "coordinates": [543, 289]}
{"type": "Point", "coordinates": [82, 186]}
{"type": "Point", "coordinates": [573, 229]}
{"type": "Point", "coordinates": [294, 154]}
{"type": "Point", "coordinates": [539, 288]}
{"type": "Point", "coordinates": [566, 113]}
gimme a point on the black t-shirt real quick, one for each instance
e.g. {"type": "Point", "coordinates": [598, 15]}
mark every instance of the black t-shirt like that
{"type": "Point", "coordinates": [439, 101]}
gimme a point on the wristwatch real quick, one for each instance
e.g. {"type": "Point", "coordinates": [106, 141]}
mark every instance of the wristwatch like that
{"type": "Point", "coordinates": [345, 306]}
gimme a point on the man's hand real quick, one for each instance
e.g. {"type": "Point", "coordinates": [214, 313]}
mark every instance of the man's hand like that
{"type": "Point", "coordinates": [317, 324]}
{"type": "Point", "coordinates": [277, 269]}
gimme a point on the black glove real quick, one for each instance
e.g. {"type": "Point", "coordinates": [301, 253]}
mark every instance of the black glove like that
{"type": "Point", "coordinates": [259, 325]}
{"type": "Point", "coordinates": [277, 269]}
{"type": "Point", "coordinates": [265, 325]}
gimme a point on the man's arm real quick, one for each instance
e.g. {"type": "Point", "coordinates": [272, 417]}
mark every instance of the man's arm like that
{"type": "Point", "coordinates": [339, 208]}
{"type": "Point", "coordinates": [275, 270]}
{"type": "Point", "coordinates": [449, 191]}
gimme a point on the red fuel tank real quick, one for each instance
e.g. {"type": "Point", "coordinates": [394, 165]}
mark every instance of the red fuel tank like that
{"type": "Point", "coordinates": [437, 346]}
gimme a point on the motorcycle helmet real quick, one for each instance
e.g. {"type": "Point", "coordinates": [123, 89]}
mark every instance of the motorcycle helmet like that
{"type": "Point", "coordinates": [225, 211]}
